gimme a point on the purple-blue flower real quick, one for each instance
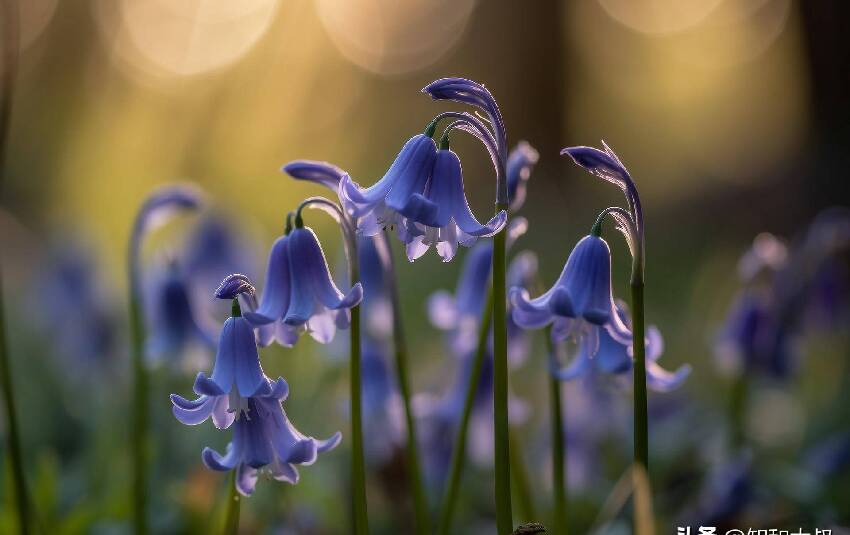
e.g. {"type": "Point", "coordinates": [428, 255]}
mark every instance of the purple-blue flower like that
{"type": "Point", "coordinates": [581, 295]}
{"type": "Point", "coordinates": [521, 161]}
{"type": "Point", "coordinates": [176, 325]}
{"type": "Point", "coordinates": [237, 363]}
{"type": "Point", "coordinates": [614, 357]}
{"type": "Point", "coordinates": [754, 338]}
{"type": "Point", "coordinates": [422, 197]}
{"type": "Point", "coordinates": [300, 291]}
{"type": "Point", "coordinates": [265, 439]}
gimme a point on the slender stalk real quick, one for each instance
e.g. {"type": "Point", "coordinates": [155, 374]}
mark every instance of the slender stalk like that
{"type": "Point", "coordinates": [420, 504]}
{"type": "Point", "coordinates": [13, 438]}
{"type": "Point", "coordinates": [459, 452]}
{"type": "Point", "coordinates": [738, 408]}
{"type": "Point", "coordinates": [9, 69]}
{"type": "Point", "coordinates": [358, 465]}
{"type": "Point", "coordinates": [520, 477]}
{"type": "Point", "coordinates": [639, 350]}
{"type": "Point", "coordinates": [504, 520]}
{"type": "Point", "coordinates": [231, 519]}
{"type": "Point", "coordinates": [556, 422]}
{"type": "Point", "coordinates": [139, 422]}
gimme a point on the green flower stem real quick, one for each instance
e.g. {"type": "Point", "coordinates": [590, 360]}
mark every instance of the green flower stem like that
{"type": "Point", "coordinates": [9, 69]}
{"type": "Point", "coordinates": [502, 458]}
{"type": "Point", "coordinates": [639, 351]}
{"type": "Point", "coordinates": [459, 452]}
{"type": "Point", "coordinates": [559, 507]}
{"type": "Point", "coordinates": [420, 502]}
{"type": "Point", "coordinates": [738, 408]}
{"type": "Point", "coordinates": [231, 519]}
{"type": "Point", "coordinates": [358, 465]}
{"type": "Point", "coordinates": [520, 477]}
{"type": "Point", "coordinates": [13, 434]}
{"type": "Point", "coordinates": [139, 421]}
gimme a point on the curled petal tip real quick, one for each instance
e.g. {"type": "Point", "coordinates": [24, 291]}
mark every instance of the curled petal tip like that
{"type": "Point", "coordinates": [323, 173]}
{"type": "Point", "coordinates": [234, 285]}
{"type": "Point", "coordinates": [329, 444]}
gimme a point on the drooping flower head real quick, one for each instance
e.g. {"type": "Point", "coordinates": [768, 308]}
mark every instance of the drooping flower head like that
{"type": "Point", "coordinates": [155, 211]}
{"type": "Point", "coordinates": [607, 166]}
{"type": "Point", "coordinates": [300, 291]}
{"type": "Point", "coordinates": [239, 394]}
{"type": "Point", "coordinates": [581, 296]}
{"type": "Point", "coordinates": [422, 197]}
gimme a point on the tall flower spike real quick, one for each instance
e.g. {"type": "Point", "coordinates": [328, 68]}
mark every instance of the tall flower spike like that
{"type": "Point", "coordinates": [300, 290]}
{"type": "Point", "coordinates": [265, 439]}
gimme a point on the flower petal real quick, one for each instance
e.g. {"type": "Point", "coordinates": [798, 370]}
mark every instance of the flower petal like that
{"type": "Point", "coordinates": [276, 292]}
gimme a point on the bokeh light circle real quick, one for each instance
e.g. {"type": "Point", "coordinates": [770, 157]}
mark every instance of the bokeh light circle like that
{"type": "Point", "coordinates": [389, 37]}
{"type": "Point", "coordinates": [187, 37]}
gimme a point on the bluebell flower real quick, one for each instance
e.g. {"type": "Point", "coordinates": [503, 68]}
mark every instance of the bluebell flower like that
{"type": "Point", "coordinates": [239, 394]}
{"type": "Point", "coordinates": [176, 325]}
{"type": "Point", "coordinates": [265, 439]}
{"type": "Point", "coordinates": [754, 338]}
{"type": "Point", "coordinates": [237, 363]}
{"type": "Point", "coordinates": [300, 291]}
{"type": "Point", "coordinates": [581, 296]}
{"type": "Point", "coordinates": [422, 197]}
{"type": "Point", "coordinates": [521, 160]}
{"type": "Point", "coordinates": [614, 357]}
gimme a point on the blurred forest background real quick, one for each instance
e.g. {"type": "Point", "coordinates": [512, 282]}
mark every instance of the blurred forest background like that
{"type": "Point", "coordinates": [732, 115]}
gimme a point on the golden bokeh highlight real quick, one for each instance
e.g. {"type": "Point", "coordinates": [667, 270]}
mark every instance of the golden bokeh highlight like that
{"type": "Point", "coordinates": [721, 99]}
{"type": "Point", "coordinates": [389, 37]}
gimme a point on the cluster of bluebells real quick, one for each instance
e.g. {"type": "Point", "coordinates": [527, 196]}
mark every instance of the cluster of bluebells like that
{"type": "Point", "coordinates": [240, 396]}
{"type": "Point", "coordinates": [785, 292]}
{"type": "Point", "coordinates": [300, 296]}
{"type": "Point", "coordinates": [421, 200]}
